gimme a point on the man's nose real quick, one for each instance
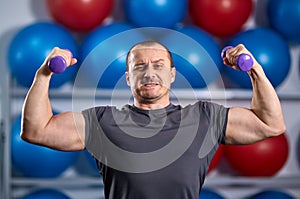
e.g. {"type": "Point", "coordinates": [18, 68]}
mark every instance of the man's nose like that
{"type": "Point", "coordinates": [149, 72]}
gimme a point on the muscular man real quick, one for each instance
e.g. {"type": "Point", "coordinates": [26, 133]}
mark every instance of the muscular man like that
{"type": "Point", "coordinates": [152, 149]}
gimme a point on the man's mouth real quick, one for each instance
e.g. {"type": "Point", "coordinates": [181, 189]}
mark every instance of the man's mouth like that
{"type": "Point", "coordinates": [149, 84]}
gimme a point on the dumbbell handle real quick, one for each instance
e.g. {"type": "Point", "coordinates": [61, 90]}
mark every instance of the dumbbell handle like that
{"type": "Point", "coordinates": [57, 64]}
{"type": "Point", "coordinates": [243, 61]}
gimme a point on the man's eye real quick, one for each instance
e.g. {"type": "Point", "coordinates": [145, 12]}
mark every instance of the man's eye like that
{"type": "Point", "coordinates": [139, 67]}
{"type": "Point", "coordinates": [158, 66]}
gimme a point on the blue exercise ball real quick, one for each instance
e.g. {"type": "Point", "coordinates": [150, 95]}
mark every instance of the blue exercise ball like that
{"type": "Point", "coordinates": [209, 194]}
{"type": "Point", "coordinates": [284, 17]}
{"type": "Point", "coordinates": [271, 194]}
{"type": "Point", "coordinates": [103, 53]}
{"type": "Point", "coordinates": [146, 13]}
{"type": "Point", "coordinates": [196, 56]}
{"type": "Point", "coordinates": [46, 194]}
{"type": "Point", "coordinates": [270, 50]}
{"type": "Point", "coordinates": [35, 161]}
{"type": "Point", "coordinates": [29, 48]}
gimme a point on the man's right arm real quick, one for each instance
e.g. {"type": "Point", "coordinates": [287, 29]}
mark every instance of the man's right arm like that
{"type": "Point", "coordinates": [64, 131]}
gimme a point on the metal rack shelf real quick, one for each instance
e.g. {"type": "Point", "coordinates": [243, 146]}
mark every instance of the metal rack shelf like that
{"type": "Point", "coordinates": [67, 182]}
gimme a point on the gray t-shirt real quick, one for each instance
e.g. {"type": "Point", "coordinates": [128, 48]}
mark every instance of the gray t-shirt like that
{"type": "Point", "coordinates": [154, 154]}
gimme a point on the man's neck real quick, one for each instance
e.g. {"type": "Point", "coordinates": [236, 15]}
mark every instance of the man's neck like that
{"type": "Point", "coordinates": [151, 106]}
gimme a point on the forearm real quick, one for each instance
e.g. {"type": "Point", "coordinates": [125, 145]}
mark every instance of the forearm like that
{"type": "Point", "coordinates": [37, 109]}
{"type": "Point", "coordinates": [264, 118]}
{"type": "Point", "coordinates": [265, 102]}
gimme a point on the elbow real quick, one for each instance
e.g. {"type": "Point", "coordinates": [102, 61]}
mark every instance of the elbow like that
{"type": "Point", "coordinates": [29, 131]}
{"type": "Point", "coordinates": [26, 136]}
{"type": "Point", "coordinates": [282, 130]}
{"type": "Point", "coordinates": [25, 132]}
{"type": "Point", "coordinates": [279, 130]}
{"type": "Point", "coordinates": [29, 135]}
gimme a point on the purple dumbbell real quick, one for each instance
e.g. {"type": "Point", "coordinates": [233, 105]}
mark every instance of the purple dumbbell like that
{"type": "Point", "coordinates": [57, 64]}
{"type": "Point", "coordinates": [243, 61]}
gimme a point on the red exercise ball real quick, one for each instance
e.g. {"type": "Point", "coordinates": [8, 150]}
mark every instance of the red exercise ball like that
{"type": "Point", "coordinates": [221, 18]}
{"type": "Point", "coordinates": [80, 15]}
{"type": "Point", "coordinates": [264, 158]}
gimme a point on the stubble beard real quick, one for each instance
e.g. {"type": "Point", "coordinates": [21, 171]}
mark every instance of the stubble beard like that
{"type": "Point", "coordinates": [145, 98]}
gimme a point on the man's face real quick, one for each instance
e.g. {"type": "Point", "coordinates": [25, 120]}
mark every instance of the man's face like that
{"type": "Point", "coordinates": [150, 73]}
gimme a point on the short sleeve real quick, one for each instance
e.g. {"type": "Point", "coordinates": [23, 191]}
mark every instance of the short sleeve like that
{"type": "Point", "coordinates": [92, 117]}
{"type": "Point", "coordinates": [218, 116]}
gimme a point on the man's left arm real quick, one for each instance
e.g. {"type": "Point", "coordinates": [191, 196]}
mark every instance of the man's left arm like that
{"type": "Point", "coordinates": [264, 118]}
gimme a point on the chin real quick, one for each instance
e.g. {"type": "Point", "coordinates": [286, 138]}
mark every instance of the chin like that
{"type": "Point", "coordinates": [150, 96]}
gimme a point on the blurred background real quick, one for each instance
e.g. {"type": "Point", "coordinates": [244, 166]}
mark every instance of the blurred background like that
{"type": "Point", "coordinates": [99, 33]}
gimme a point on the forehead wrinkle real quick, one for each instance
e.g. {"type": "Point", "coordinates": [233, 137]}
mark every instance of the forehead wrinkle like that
{"type": "Point", "coordinates": [154, 47]}
{"type": "Point", "coordinates": [137, 51]}
{"type": "Point", "coordinates": [157, 60]}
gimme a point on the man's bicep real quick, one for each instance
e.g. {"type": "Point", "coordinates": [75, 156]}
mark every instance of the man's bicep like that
{"type": "Point", "coordinates": [66, 131]}
{"type": "Point", "coordinates": [244, 127]}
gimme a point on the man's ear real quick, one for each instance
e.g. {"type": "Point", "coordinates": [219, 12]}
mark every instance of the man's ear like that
{"type": "Point", "coordinates": [173, 74]}
{"type": "Point", "coordinates": [127, 78]}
